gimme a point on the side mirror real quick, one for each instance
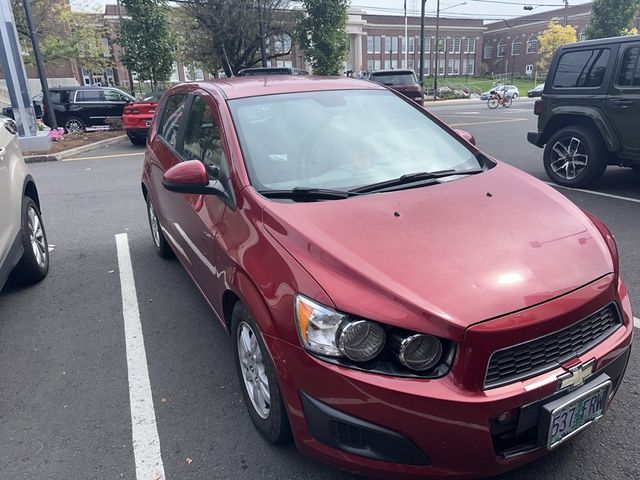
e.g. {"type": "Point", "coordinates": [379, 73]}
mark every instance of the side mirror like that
{"type": "Point", "coordinates": [192, 177]}
{"type": "Point", "coordinates": [466, 136]}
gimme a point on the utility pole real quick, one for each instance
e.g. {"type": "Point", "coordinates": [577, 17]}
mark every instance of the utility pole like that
{"type": "Point", "coordinates": [435, 73]}
{"type": "Point", "coordinates": [129, 74]}
{"type": "Point", "coordinates": [566, 7]}
{"type": "Point", "coordinates": [263, 42]}
{"type": "Point", "coordinates": [46, 95]}
{"type": "Point", "coordinates": [422, 44]}
{"type": "Point", "coordinates": [406, 37]}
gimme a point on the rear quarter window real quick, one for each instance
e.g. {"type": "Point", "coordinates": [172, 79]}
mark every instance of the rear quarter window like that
{"type": "Point", "coordinates": [582, 69]}
{"type": "Point", "coordinates": [629, 75]}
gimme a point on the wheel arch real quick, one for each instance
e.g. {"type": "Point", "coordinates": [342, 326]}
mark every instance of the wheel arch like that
{"type": "Point", "coordinates": [589, 117]}
{"type": "Point", "coordinates": [30, 190]}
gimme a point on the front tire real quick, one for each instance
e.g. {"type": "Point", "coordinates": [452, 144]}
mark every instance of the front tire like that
{"type": "Point", "coordinates": [493, 103]}
{"type": "Point", "coordinates": [34, 264]}
{"type": "Point", "coordinates": [257, 377]}
{"type": "Point", "coordinates": [136, 140]}
{"type": "Point", "coordinates": [575, 156]}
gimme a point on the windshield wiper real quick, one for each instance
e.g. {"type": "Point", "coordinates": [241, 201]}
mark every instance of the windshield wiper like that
{"type": "Point", "coordinates": [412, 178]}
{"type": "Point", "coordinates": [304, 194]}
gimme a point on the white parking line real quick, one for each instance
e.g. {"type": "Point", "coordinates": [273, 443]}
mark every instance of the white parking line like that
{"type": "Point", "coordinates": [636, 322]}
{"type": "Point", "coordinates": [146, 443]}
{"type": "Point", "coordinates": [601, 194]}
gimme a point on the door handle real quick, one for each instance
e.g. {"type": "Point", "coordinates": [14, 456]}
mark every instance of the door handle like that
{"type": "Point", "coordinates": [622, 103]}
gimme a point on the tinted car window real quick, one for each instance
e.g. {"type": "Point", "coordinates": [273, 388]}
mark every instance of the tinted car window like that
{"type": "Point", "coordinates": [114, 96]}
{"type": "Point", "coordinates": [170, 124]}
{"type": "Point", "coordinates": [395, 78]}
{"type": "Point", "coordinates": [585, 68]}
{"type": "Point", "coordinates": [630, 68]}
{"type": "Point", "coordinates": [202, 136]}
{"type": "Point", "coordinates": [89, 96]}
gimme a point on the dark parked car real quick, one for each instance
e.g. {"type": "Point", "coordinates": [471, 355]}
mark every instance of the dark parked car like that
{"type": "Point", "coordinates": [590, 110]}
{"type": "Point", "coordinates": [37, 107]}
{"type": "Point", "coordinates": [250, 72]}
{"type": "Point", "coordinates": [396, 300]}
{"type": "Point", "coordinates": [536, 91]}
{"type": "Point", "coordinates": [403, 81]}
{"type": "Point", "coordinates": [78, 108]}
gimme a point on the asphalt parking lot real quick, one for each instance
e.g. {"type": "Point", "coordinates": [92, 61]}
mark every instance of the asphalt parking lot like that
{"type": "Point", "coordinates": [64, 387]}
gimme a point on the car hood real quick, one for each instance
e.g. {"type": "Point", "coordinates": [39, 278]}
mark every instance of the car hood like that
{"type": "Point", "coordinates": [451, 254]}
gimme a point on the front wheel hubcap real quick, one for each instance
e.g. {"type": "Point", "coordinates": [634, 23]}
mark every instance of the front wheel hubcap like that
{"type": "Point", "coordinates": [36, 237]}
{"type": "Point", "coordinates": [569, 158]}
{"type": "Point", "coordinates": [155, 227]}
{"type": "Point", "coordinates": [254, 374]}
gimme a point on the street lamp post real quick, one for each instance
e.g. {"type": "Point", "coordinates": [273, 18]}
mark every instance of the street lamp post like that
{"type": "Point", "coordinates": [46, 96]}
{"type": "Point", "coordinates": [435, 72]}
{"type": "Point", "coordinates": [263, 42]}
{"type": "Point", "coordinates": [422, 44]}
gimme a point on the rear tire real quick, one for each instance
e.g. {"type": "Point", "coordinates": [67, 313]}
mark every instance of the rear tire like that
{"type": "Point", "coordinates": [575, 156]}
{"type": "Point", "coordinates": [74, 125]}
{"type": "Point", "coordinates": [136, 140]}
{"type": "Point", "coordinates": [256, 372]}
{"type": "Point", "coordinates": [34, 264]}
{"type": "Point", "coordinates": [157, 236]}
{"type": "Point", "coordinates": [507, 102]}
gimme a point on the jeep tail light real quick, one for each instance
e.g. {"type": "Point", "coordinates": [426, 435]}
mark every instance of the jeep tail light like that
{"type": "Point", "coordinates": [538, 107]}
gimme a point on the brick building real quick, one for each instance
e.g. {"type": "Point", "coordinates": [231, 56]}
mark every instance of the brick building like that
{"type": "Point", "coordinates": [378, 42]}
{"type": "Point", "coordinates": [511, 46]}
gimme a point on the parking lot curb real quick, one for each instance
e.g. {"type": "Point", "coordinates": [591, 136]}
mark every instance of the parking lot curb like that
{"type": "Point", "coordinates": [73, 151]}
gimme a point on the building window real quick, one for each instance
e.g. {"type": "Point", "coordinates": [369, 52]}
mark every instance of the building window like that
{"type": "Point", "coordinates": [454, 45]}
{"type": "Point", "coordinates": [528, 70]}
{"type": "Point", "coordinates": [412, 44]}
{"type": "Point", "coordinates": [408, 65]}
{"type": "Point", "coordinates": [373, 44]}
{"type": "Point", "coordinates": [426, 67]}
{"type": "Point", "coordinates": [369, 65]}
{"type": "Point", "coordinates": [440, 66]}
{"type": "Point", "coordinates": [532, 45]}
{"type": "Point", "coordinates": [284, 64]}
{"type": "Point", "coordinates": [488, 51]}
{"type": "Point", "coordinates": [515, 47]}
{"type": "Point", "coordinates": [106, 52]}
{"type": "Point", "coordinates": [469, 45]}
{"type": "Point", "coordinates": [441, 45]}
{"type": "Point", "coordinates": [468, 66]}
{"type": "Point", "coordinates": [427, 45]}
{"type": "Point", "coordinates": [390, 64]}
{"type": "Point", "coordinates": [502, 47]}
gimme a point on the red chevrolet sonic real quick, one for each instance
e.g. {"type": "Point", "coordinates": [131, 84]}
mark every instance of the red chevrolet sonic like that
{"type": "Point", "coordinates": [400, 303]}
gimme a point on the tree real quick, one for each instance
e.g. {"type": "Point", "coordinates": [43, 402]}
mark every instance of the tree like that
{"type": "Point", "coordinates": [227, 32]}
{"type": "Point", "coordinates": [323, 35]}
{"type": "Point", "coordinates": [610, 18]}
{"type": "Point", "coordinates": [549, 41]}
{"type": "Point", "coordinates": [64, 35]}
{"type": "Point", "coordinates": [147, 40]}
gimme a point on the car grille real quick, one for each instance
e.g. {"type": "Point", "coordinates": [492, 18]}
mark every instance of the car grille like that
{"type": "Point", "coordinates": [545, 353]}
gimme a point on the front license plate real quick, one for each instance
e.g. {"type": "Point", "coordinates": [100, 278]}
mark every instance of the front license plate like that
{"type": "Point", "coordinates": [577, 413]}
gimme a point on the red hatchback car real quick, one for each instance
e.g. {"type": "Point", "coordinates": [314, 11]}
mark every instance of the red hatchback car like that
{"type": "Point", "coordinates": [401, 304]}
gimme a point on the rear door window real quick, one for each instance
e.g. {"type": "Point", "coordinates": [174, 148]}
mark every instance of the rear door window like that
{"type": "Point", "coordinates": [171, 118]}
{"type": "Point", "coordinates": [582, 69]}
{"type": "Point", "coordinates": [89, 96]}
{"type": "Point", "coordinates": [202, 135]}
{"type": "Point", "coordinates": [114, 96]}
{"type": "Point", "coordinates": [629, 75]}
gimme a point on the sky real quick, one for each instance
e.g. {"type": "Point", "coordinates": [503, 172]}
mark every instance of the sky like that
{"type": "Point", "coordinates": [487, 9]}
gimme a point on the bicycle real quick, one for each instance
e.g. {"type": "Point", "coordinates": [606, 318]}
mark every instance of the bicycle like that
{"type": "Point", "coordinates": [496, 100]}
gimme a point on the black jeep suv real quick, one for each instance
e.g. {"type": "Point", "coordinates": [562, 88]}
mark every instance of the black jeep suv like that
{"type": "Point", "coordinates": [589, 114]}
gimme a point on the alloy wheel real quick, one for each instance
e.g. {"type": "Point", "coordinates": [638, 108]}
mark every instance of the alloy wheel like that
{"type": "Point", "coordinates": [73, 126]}
{"type": "Point", "coordinates": [36, 237]}
{"type": "Point", "coordinates": [570, 159]}
{"type": "Point", "coordinates": [254, 374]}
{"type": "Point", "coordinates": [155, 226]}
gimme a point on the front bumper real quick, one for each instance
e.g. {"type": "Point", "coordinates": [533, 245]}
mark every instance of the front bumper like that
{"type": "Point", "coordinates": [447, 426]}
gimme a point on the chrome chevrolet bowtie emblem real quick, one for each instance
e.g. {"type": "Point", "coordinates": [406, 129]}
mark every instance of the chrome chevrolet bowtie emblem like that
{"type": "Point", "coordinates": [576, 375]}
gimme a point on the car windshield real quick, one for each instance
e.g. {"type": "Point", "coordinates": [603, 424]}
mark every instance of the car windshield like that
{"type": "Point", "coordinates": [340, 140]}
{"type": "Point", "coordinates": [406, 78]}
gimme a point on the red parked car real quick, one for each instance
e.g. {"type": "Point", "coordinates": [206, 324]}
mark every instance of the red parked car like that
{"type": "Point", "coordinates": [137, 117]}
{"type": "Point", "coordinates": [401, 304]}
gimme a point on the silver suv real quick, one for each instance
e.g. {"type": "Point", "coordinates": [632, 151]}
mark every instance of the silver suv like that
{"type": "Point", "coordinates": [23, 240]}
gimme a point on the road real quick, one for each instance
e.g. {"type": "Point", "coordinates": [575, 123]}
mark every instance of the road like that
{"type": "Point", "coordinates": [64, 398]}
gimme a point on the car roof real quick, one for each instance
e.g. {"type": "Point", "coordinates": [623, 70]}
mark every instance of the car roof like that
{"type": "Point", "coordinates": [76, 87]}
{"type": "Point", "coordinates": [600, 41]}
{"type": "Point", "coordinates": [253, 86]}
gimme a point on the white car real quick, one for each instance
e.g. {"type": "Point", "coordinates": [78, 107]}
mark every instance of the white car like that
{"type": "Point", "coordinates": [23, 241]}
{"type": "Point", "coordinates": [505, 90]}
